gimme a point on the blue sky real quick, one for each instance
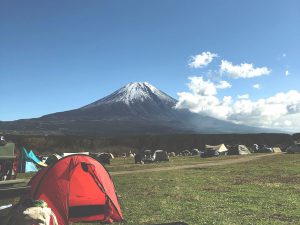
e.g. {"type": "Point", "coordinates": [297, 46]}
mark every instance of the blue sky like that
{"type": "Point", "coordinates": [59, 55]}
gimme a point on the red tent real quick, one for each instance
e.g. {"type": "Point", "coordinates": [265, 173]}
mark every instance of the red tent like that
{"type": "Point", "coordinates": [77, 188]}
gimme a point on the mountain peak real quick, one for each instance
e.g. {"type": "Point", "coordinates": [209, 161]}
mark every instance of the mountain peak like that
{"type": "Point", "coordinates": [135, 92]}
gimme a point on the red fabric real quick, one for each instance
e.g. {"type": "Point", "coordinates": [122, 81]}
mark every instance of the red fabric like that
{"type": "Point", "coordinates": [66, 184]}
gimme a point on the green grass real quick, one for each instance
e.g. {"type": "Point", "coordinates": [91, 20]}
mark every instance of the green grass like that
{"type": "Point", "coordinates": [266, 191]}
{"type": "Point", "coordinates": [263, 191]}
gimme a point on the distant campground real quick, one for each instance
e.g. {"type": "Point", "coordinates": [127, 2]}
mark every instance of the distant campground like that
{"type": "Point", "coordinates": [119, 144]}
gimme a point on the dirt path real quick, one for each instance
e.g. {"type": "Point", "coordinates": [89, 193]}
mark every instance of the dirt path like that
{"type": "Point", "coordinates": [199, 165]}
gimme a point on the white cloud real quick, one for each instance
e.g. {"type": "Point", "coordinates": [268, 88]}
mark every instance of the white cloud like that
{"type": "Point", "coordinates": [287, 72]}
{"type": "Point", "coordinates": [223, 85]}
{"type": "Point", "coordinates": [201, 87]}
{"type": "Point", "coordinates": [281, 110]}
{"type": "Point", "coordinates": [203, 99]}
{"type": "Point", "coordinates": [283, 55]}
{"type": "Point", "coordinates": [256, 86]}
{"type": "Point", "coordinates": [244, 70]}
{"type": "Point", "coordinates": [287, 123]}
{"type": "Point", "coordinates": [202, 60]}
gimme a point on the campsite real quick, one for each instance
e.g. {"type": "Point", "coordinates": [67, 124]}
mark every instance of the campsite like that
{"type": "Point", "coordinates": [149, 112]}
{"type": "Point", "coordinates": [257, 188]}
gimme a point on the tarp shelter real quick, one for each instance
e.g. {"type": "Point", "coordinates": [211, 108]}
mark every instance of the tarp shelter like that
{"type": "Point", "coordinates": [215, 150]}
{"type": "Point", "coordinates": [77, 188]}
{"type": "Point", "coordinates": [160, 155]}
{"type": "Point", "coordinates": [238, 150]}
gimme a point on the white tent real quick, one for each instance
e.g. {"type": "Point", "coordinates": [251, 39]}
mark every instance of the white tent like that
{"type": "Point", "coordinates": [243, 150]}
{"type": "Point", "coordinates": [276, 150]}
{"type": "Point", "coordinates": [219, 148]}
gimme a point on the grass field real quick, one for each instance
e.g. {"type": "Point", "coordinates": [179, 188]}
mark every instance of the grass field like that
{"type": "Point", "coordinates": [263, 191]}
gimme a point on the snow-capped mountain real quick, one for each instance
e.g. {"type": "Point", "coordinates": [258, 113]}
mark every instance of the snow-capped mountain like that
{"type": "Point", "coordinates": [136, 108]}
{"type": "Point", "coordinates": [135, 92]}
{"type": "Point", "coordinates": [134, 101]}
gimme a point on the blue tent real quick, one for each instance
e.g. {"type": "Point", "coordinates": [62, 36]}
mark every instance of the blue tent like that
{"type": "Point", "coordinates": [35, 159]}
{"type": "Point", "coordinates": [27, 164]}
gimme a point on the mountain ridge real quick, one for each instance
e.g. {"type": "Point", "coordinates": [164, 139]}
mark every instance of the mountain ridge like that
{"type": "Point", "coordinates": [136, 108]}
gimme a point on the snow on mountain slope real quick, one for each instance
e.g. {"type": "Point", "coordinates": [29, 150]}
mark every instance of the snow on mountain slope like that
{"type": "Point", "coordinates": [133, 93]}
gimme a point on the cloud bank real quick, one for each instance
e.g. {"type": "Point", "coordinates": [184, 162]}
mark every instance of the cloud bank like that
{"type": "Point", "coordinates": [279, 111]}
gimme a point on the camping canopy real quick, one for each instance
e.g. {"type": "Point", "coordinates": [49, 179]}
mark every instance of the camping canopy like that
{"type": "Point", "coordinates": [77, 188]}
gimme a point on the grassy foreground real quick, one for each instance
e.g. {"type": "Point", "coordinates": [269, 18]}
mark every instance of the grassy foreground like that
{"type": "Point", "coordinates": [263, 191]}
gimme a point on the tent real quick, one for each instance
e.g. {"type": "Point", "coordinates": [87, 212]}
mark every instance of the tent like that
{"type": "Point", "coordinates": [148, 156]}
{"type": "Point", "coordinates": [77, 188]}
{"type": "Point", "coordinates": [215, 150]}
{"type": "Point", "coordinates": [185, 153]}
{"type": "Point", "coordinates": [195, 151]}
{"type": "Point", "coordinates": [28, 162]}
{"type": "Point", "coordinates": [74, 153]}
{"type": "Point", "coordinates": [35, 159]}
{"type": "Point", "coordinates": [262, 148]}
{"type": "Point", "coordinates": [160, 155]}
{"type": "Point", "coordinates": [26, 165]}
{"type": "Point", "coordinates": [52, 159]}
{"type": "Point", "coordinates": [293, 149]}
{"type": "Point", "coordinates": [276, 150]}
{"type": "Point", "coordinates": [238, 150]}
